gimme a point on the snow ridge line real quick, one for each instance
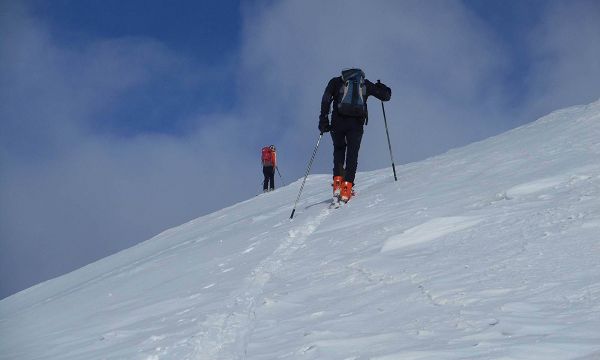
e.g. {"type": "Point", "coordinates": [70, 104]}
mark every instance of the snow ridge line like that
{"type": "Point", "coordinates": [233, 330]}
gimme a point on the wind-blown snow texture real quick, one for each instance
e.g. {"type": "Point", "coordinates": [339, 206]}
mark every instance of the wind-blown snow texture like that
{"type": "Point", "coordinates": [491, 251]}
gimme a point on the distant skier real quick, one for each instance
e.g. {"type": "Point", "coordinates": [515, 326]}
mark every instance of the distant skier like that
{"type": "Point", "coordinates": [349, 94]}
{"type": "Point", "coordinates": [268, 158]}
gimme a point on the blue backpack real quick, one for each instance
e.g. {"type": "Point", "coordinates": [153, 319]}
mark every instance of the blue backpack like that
{"type": "Point", "coordinates": [353, 94]}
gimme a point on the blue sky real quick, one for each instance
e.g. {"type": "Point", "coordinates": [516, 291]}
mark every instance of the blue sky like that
{"type": "Point", "coordinates": [121, 119]}
{"type": "Point", "coordinates": [207, 33]}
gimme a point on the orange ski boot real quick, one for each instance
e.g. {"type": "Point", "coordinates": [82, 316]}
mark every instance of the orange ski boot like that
{"type": "Point", "coordinates": [337, 186]}
{"type": "Point", "coordinates": [346, 192]}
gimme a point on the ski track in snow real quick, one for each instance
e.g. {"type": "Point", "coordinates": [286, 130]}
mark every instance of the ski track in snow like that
{"type": "Point", "coordinates": [232, 330]}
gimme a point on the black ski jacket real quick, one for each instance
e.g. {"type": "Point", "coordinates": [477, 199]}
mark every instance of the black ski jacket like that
{"type": "Point", "coordinates": [332, 91]}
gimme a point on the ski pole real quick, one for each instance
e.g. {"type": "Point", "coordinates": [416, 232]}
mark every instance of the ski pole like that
{"type": "Point", "coordinates": [388, 139]}
{"type": "Point", "coordinates": [306, 174]}
{"type": "Point", "coordinates": [281, 177]}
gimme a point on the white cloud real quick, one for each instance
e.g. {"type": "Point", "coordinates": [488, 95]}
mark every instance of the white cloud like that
{"type": "Point", "coordinates": [446, 67]}
{"type": "Point", "coordinates": [438, 59]}
{"type": "Point", "coordinates": [565, 48]}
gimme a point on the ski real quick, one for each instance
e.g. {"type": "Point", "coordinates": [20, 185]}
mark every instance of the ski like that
{"type": "Point", "coordinates": [335, 203]}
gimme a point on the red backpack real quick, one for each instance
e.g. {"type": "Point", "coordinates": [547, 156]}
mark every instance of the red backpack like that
{"type": "Point", "coordinates": [267, 156]}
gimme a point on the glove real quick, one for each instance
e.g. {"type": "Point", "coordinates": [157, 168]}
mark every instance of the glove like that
{"type": "Point", "coordinates": [383, 92]}
{"type": "Point", "coordinates": [324, 126]}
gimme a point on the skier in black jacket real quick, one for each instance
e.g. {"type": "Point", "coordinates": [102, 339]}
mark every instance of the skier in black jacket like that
{"type": "Point", "coordinates": [347, 126]}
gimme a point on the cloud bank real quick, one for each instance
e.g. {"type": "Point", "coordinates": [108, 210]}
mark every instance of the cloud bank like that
{"type": "Point", "coordinates": [441, 63]}
{"type": "Point", "coordinates": [76, 185]}
{"type": "Point", "coordinates": [565, 51]}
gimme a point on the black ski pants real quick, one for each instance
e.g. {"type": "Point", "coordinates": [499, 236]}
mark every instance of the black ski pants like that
{"type": "Point", "coordinates": [346, 134]}
{"type": "Point", "coordinates": [269, 173]}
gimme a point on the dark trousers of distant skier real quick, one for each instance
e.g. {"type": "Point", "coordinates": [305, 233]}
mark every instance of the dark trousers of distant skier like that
{"type": "Point", "coordinates": [346, 132]}
{"type": "Point", "coordinates": [269, 182]}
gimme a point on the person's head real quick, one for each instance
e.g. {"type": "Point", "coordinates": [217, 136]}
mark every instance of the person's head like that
{"type": "Point", "coordinates": [272, 147]}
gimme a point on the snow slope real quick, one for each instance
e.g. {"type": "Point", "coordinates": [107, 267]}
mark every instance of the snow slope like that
{"type": "Point", "coordinates": [490, 251]}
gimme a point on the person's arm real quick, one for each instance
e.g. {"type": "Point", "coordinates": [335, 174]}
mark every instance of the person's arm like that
{"type": "Point", "coordinates": [326, 100]}
{"type": "Point", "coordinates": [379, 90]}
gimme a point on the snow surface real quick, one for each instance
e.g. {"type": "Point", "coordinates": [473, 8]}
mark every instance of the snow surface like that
{"type": "Point", "coordinates": [490, 251]}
